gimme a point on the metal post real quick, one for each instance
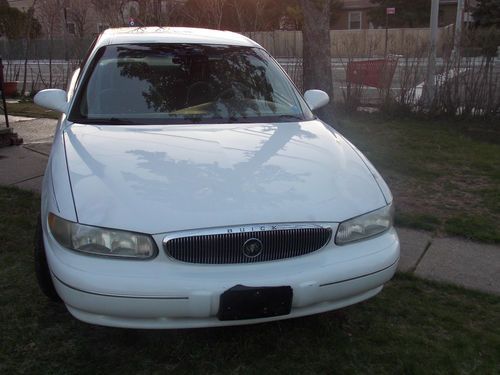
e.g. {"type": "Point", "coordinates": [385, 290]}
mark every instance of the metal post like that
{"type": "Point", "coordinates": [4, 103]}
{"type": "Point", "coordinates": [158, 11]}
{"type": "Point", "coordinates": [65, 33]}
{"type": "Point", "coordinates": [66, 45]}
{"type": "Point", "coordinates": [386, 31]}
{"type": "Point", "coordinates": [458, 28]}
{"type": "Point", "coordinates": [430, 83]}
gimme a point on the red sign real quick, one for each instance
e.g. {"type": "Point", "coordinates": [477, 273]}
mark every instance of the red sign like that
{"type": "Point", "coordinates": [391, 10]}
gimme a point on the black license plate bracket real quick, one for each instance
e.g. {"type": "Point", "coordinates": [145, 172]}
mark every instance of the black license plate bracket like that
{"type": "Point", "coordinates": [244, 302]}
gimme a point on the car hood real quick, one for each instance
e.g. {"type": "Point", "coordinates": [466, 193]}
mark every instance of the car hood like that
{"type": "Point", "coordinates": [162, 178]}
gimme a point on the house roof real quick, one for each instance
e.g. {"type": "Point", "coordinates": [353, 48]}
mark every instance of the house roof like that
{"type": "Point", "coordinates": [173, 35]}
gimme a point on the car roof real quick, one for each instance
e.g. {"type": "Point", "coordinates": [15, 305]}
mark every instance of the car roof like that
{"type": "Point", "coordinates": [129, 35]}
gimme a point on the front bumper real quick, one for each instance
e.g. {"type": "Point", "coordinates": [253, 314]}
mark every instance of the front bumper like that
{"type": "Point", "coordinates": [162, 293]}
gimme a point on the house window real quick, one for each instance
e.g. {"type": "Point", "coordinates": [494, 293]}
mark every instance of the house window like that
{"type": "Point", "coordinates": [71, 27]}
{"type": "Point", "coordinates": [101, 27]}
{"type": "Point", "coordinates": [468, 17]}
{"type": "Point", "coordinates": [354, 20]}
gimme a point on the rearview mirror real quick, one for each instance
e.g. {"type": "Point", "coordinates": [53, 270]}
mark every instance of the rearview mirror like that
{"type": "Point", "coordinates": [316, 99]}
{"type": "Point", "coordinates": [54, 99]}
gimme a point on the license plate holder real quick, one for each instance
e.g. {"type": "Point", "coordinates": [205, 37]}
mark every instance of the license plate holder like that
{"type": "Point", "coordinates": [244, 302]}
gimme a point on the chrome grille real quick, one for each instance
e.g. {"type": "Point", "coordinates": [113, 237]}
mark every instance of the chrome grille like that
{"type": "Point", "coordinates": [227, 248]}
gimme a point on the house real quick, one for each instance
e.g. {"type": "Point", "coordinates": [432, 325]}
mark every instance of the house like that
{"type": "Point", "coordinates": [79, 16]}
{"type": "Point", "coordinates": [354, 14]}
{"type": "Point", "coordinates": [82, 19]}
{"type": "Point", "coordinates": [448, 11]}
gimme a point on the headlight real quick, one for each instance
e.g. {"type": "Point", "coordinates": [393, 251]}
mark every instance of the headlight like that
{"type": "Point", "coordinates": [365, 226]}
{"type": "Point", "coordinates": [101, 241]}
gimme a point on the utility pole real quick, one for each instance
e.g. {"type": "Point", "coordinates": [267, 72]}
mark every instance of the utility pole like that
{"type": "Point", "coordinates": [458, 29]}
{"type": "Point", "coordinates": [386, 32]}
{"type": "Point", "coordinates": [430, 82]}
{"type": "Point", "coordinates": [158, 12]}
{"type": "Point", "coordinates": [388, 11]}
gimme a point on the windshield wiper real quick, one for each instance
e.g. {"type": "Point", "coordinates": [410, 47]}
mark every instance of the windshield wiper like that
{"type": "Point", "coordinates": [290, 117]}
{"type": "Point", "coordinates": [230, 119]}
{"type": "Point", "coordinates": [107, 121]}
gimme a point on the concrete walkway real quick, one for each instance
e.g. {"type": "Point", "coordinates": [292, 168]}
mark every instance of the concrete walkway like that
{"type": "Point", "coordinates": [453, 260]}
{"type": "Point", "coordinates": [465, 263]}
{"type": "Point", "coordinates": [23, 166]}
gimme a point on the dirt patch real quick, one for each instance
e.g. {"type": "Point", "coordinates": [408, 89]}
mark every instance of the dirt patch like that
{"type": "Point", "coordinates": [484, 135]}
{"type": "Point", "coordinates": [442, 197]}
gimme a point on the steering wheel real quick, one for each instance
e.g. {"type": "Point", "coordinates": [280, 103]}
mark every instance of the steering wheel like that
{"type": "Point", "coordinates": [237, 90]}
{"type": "Point", "coordinates": [198, 93]}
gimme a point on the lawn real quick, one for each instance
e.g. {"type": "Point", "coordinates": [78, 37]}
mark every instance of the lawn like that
{"type": "Point", "coordinates": [412, 327]}
{"type": "Point", "coordinates": [27, 108]}
{"type": "Point", "coordinates": [445, 176]}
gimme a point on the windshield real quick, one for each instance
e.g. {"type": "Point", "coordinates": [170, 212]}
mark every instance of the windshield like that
{"type": "Point", "coordinates": [186, 83]}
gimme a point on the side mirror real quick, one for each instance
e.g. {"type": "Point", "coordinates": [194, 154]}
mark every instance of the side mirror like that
{"type": "Point", "coordinates": [316, 99]}
{"type": "Point", "coordinates": [54, 99]}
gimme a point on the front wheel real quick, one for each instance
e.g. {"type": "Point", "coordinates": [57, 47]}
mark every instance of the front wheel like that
{"type": "Point", "coordinates": [42, 268]}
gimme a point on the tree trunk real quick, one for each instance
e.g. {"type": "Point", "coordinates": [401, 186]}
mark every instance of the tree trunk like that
{"type": "Point", "coordinates": [316, 46]}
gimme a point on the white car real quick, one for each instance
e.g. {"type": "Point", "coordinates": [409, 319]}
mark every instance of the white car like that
{"type": "Point", "coordinates": [191, 185]}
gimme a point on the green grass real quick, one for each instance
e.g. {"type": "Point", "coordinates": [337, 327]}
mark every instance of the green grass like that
{"type": "Point", "coordinates": [29, 109]}
{"type": "Point", "coordinates": [445, 176]}
{"type": "Point", "coordinates": [412, 327]}
{"type": "Point", "coordinates": [417, 221]}
{"type": "Point", "coordinates": [472, 227]}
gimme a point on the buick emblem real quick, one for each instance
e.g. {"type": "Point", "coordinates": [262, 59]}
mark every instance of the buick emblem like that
{"type": "Point", "coordinates": [252, 248]}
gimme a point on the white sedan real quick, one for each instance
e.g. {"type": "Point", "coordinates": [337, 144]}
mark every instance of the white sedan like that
{"type": "Point", "coordinates": [191, 185]}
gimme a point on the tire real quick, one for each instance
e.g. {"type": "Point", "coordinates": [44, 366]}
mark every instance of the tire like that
{"type": "Point", "coordinates": [42, 271]}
